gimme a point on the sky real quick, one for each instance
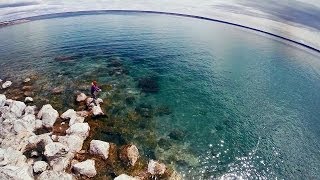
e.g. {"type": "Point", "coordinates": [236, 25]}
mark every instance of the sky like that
{"type": "Point", "coordinates": [294, 19]}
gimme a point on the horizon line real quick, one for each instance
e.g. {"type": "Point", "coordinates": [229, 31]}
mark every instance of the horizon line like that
{"type": "Point", "coordinates": [95, 12]}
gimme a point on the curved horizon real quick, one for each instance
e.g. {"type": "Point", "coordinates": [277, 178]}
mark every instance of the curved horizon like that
{"type": "Point", "coordinates": [297, 20]}
{"type": "Point", "coordinates": [95, 12]}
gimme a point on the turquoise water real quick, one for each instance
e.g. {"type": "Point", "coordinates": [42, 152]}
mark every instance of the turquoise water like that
{"type": "Point", "coordinates": [243, 104]}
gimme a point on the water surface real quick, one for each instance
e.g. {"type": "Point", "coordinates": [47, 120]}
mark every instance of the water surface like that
{"type": "Point", "coordinates": [228, 102]}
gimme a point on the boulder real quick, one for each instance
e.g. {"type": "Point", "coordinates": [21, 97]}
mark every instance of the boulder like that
{"type": "Point", "coordinates": [30, 110]}
{"type": "Point", "coordinates": [25, 124]}
{"type": "Point", "coordinates": [38, 124]}
{"type": "Point", "coordinates": [81, 97]}
{"type": "Point", "coordinates": [2, 100]}
{"type": "Point", "coordinates": [40, 166]}
{"type": "Point", "coordinates": [16, 172]}
{"type": "Point", "coordinates": [97, 111]}
{"type": "Point", "coordinates": [34, 140]}
{"type": "Point", "coordinates": [12, 157]}
{"type": "Point", "coordinates": [6, 84]}
{"type": "Point", "coordinates": [79, 129]}
{"type": "Point", "coordinates": [48, 115]}
{"type": "Point", "coordinates": [73, 116]}
{"type": "Point", "coordinates": [156, 168]}
{"type": "Point", "coordinates": [18, 141]}
{"type": "Point", "coordinates": [68, 114]}
{"type": "Point", "coordinates": [125, 177]}
{"type": "Point", "coordinates": [129, 154]}
{"type": "Point", "coordinates": [54, 175]}
{"type": "Point", "coordinates": [100, 148]}
{"type": "Point", "coordinates": [86, 168]}
{"type": "Point", "coordinates": [76, 119]}
{"type": "Point", "coordinates": [17, 108]}
{"type": "Point", "coordinates": [74, 142]}
{"type": "Point", "coordinates": [61, 163]}
{"type": "Point", "coordinates": [28, 99]}
{"type": "Point", "coordinates": [55, 149]}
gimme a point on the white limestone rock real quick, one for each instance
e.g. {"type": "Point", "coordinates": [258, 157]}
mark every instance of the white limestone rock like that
{"type": "Point", "coordinates": [54, 175]}
{"type": "Point", "coordinates": [100, 148]}
{"type": "Point", "coordinates": [16, 172]}
{"type": "Point", "coordinates": [40, 166]}
{"type": "Point", "coordinates": [76, 119]}
{"type": "Point", "coordinates": [48, 115]}
{"type": "Point", "coordinates": [156, 168]}
{"type": "Point", "coordinates": [80, 129]}
{"type": "Point", "coordinates": [6, 84]}
{"type": "Point", "coordinates": [28, 99]}
{"type": "Point", "coordinates": [73, 142]}
{"type": "Point", "coordinates": [97, 111]}
{"type": "Point", "coordinates": [55, 149]}
{"type": "Point", "coordinates": [36, 139]}
{"type": "Point", "coordinates": [18, 142]}
{"type": "Point", "coordinates": [30, 110]}
{"type": "Point", "coordinates": [2, 100]}
{"type": "Point", "coordinates": [81, 97]}
{"type": "Point", "coordinates": [62, 162]}
{"type": "Point", "coordinates": [12, 157]}
{"type": "Point", "coordinates": [86, 168]}
{"type": "Point", "coordinates": [125, 177]}
{"type": "Point", "coordinates": [68, 114]}
{"type": "Point", "coordinates": [17, 108]}
{"type": "Point", "coordinates": [38, 124]}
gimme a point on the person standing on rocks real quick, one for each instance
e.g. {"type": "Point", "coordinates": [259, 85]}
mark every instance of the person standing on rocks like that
{"type": "Point", "coordinates": [94, 91]}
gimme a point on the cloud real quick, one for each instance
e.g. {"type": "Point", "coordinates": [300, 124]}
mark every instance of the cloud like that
{"type": "Point", "coordinates": [17, 4]}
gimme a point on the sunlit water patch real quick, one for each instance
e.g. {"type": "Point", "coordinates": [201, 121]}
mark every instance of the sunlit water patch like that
{"type": "Point", "coordinates": [210, 99]}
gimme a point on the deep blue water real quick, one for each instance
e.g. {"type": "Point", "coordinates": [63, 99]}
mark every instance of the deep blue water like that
{"type": "Point", "coordinates": [247, 104]}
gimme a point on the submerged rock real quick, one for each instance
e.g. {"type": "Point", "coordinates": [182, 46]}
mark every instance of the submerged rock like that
{"type": "Point", "coordinates": [100, 148]}
{"type": "Point", "coordinates": [129, 154]}
{"type": "Point", "coordinates": [26, 80]}
{"type": "Point", "coordinates": [86, 168]}
{"type": "Point", "coordinates": [57, 90]}
{"type": "Point", "coordinates": [149, 84]}
{"type": "Point", "coordinates": [6, 84]}
{"type": "Point", "coordinates": [177, 134]}
{"type": "Point", "coordinates": [156, 168]}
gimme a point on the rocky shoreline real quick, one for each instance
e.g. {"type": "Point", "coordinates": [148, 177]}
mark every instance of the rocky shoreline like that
{"type": "Point", "coordinates": [40, 143]}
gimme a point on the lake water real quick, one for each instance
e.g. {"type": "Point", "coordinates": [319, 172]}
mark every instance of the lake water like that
{"type": "Point", "coordinates": [216, 100]}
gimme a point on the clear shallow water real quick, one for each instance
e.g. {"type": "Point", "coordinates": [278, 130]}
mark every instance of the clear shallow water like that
{"type": "Point", "coordinates": [247, 105]}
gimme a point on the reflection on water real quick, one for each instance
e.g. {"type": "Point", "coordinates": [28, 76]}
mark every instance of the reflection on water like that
{"type": "Point", "coordinates": [211, 100]}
